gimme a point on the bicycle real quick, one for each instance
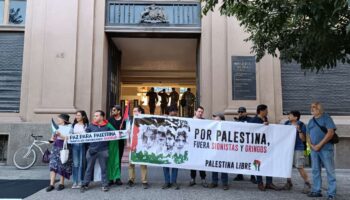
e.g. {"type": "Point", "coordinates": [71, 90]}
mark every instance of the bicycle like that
{"type": "Point", "coordinates": [25, 157]}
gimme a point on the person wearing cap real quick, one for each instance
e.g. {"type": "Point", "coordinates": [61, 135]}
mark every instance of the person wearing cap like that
{"type": "Point", "coordinates": [170, 142]}
{"type": "Point", "coordinates": [56, 166]}
{"type": "Point", "coordinates": [115, 147]}
{"type": "Point", "coordinates": [174, 98]}
{"type": "Point", "coordinates": [243, 117]}
{"type": "Point", "coordinates": [215, 175]}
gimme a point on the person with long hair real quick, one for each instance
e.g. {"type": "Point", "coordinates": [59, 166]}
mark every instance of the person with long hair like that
{"type": "Point", "coordinates": [56, 166]}
{"type": "Point", "coordinates": [80, 123]}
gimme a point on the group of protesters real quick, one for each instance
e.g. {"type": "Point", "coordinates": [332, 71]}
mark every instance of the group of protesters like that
{"type": "Point", "coordinates": [317, 134]}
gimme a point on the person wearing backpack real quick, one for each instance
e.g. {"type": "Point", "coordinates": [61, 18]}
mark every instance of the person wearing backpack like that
{"type": "Point", "coordinates": [320, 132]}
{"type": "Point", "coordinates": [300, 146]}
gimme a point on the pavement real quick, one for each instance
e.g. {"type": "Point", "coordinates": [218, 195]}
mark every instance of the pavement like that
{"type": "Point", "coordinates": [238, 189]}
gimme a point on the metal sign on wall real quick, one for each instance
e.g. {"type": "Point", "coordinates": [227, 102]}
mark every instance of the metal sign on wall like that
{"type": "Point", "coordinates": [243, 78]}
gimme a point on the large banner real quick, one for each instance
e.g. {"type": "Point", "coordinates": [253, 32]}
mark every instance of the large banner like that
{"type": "Point", "coordinates": [97, 136]}
{"type": "Point", "coordinates": [220, 146]}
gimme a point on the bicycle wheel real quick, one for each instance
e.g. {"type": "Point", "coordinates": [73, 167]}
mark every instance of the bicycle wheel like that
{"type": "Point", "coordinates": [24, 158]}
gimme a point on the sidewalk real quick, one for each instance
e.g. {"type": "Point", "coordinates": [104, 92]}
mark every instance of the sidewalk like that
{"type": "Point", "coordinates": [238, 190]}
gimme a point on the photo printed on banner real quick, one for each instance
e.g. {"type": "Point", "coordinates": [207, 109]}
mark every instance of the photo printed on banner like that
{"type": "Point", "coordinates": [160, 140]}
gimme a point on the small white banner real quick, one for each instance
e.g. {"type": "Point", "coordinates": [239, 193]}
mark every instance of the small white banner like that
{"type": "Point", "coordinates": [220, 146]}
{"type": "Point", "coordinates": [97, 136]}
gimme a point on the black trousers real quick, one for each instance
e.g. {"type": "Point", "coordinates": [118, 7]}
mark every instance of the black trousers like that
{"type": "Point", "coordinates": [152, 108]}
{"type": "Point", "coordinates": [194, 174]}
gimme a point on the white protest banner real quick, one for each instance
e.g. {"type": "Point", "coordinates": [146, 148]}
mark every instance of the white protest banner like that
{"type": "Point", "coordinates": [98, 136]}
{"type": "Point", "coordinates": [220, 146]}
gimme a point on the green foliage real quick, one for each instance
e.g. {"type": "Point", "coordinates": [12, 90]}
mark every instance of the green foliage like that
{"type": "Point", "coordinates": [150, 158]}
{"type": "Point", "coordinates": [158, 159]}
{"type": "Point", "coordinates": [314, 33]}
{"type": "Point", "coordinates": [180, 158]}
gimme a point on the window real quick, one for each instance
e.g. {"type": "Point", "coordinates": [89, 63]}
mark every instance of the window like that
{"type": "Point", "coordinates": [2, 11]}
{"type": "Point", "coordinates": [17, 11]}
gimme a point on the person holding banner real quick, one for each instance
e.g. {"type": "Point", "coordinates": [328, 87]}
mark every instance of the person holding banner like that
{"type": "Point", "coordinates": [137, 111]}
{"type": "Point", "coordinates": [97, 151]}
{"type": "Point", "coordinates": [215, 175]}
{"type": "Point", "coordinates": [261, 118]}
{"type": "Point", "coordinates": [320, 131]}
{"type": "Point", "coordinates": [116, 147]}
{"type": "Point", "coordinates": [300, 146]}
{"type": "Point", "coordinates": [80, 123]}
{"type": "Point", "coordinates": [198, 115]}
{"type": "Point", "coordinates": [170, 143]}
{"type": "Point", "coordinates": [56, 166]}
{"type": "Point", "coordinates": [243, 117]}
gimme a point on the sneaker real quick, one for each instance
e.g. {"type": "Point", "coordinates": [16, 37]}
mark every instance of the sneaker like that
{"type": "Point", "coordinates": [60, 187]}
{"type": "Point", "coordinates": [50, 188]}
{"type": "Point", "coordinates": [192, 182]}
{"type": "Point", "coordinates": [145, 185]}
{"type": "Point", "coordinates": [130, 183]}
{"type": "Point", "coordinates": [204, 183]}
{"type": "Point", "coordinates": [75, 186]}
{"type": "Point", "coordinates": [239, 177]}
{"type": "Point", "coordinates": [288, 186]}
{"type": "Point", "coordinates": [314, 194]}
{"type": "Point", "coordinates": [307, 188]}
{"type": "Point", "coordinates": [166, 186]}
{"type": "Point", "coordinates": [83, 188]}
{"type": "Point", "coordinates": [225, 187]}
{"type": "Point", "coordinates": [118, 182]}
{"type": "Point", "coordinates": [213, 185]}
{"type": "Point", "coordinates": [105, 188]}
{"type": "Point", "coordinates": [176, 186]}
{"type": "Point", "coordinates": [331, 198]}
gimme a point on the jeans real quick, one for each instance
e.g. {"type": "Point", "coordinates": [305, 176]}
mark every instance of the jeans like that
{"type": "Point", "coordinates": [326, 157]}
{"type": "Point", "coordinates": [215, 178]}
{"type": "Point", "coordinates": [268, 179]}
{"type": "Point", "coordinates": [194, 174]}
{"type": "Point", "coordinates": [102, 157]}
{"type": "Point", "coordinates": [166, 171]}
{"type": "Point", "coordinates": [78, 156]}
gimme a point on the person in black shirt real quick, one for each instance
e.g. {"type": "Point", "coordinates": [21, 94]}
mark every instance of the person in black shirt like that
{"type": "Point", "coordinates": [152, 100]}
{"type": "Point", "coordinates": [164, 99]}
{"type": "Point", "coordinates": [117, 122]}
{"type": "Point", "coordinates": [243, 117]}
{"type": "Point", "coordinates": [261, 118]}
{"type": "Point", "coordinates": [174, 98]}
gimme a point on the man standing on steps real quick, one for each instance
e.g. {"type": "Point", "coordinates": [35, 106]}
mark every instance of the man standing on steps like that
{"type": "Point", "coordinates": [164, 99]}
{"type": "Point", "coordinates": [174, 98]}
{"type": "Point", "coordinates": [152, 100]}
{"type": "Point", "coordinates": [198, 115]}
{"type": "Point", "coordinates": [188, 98]}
